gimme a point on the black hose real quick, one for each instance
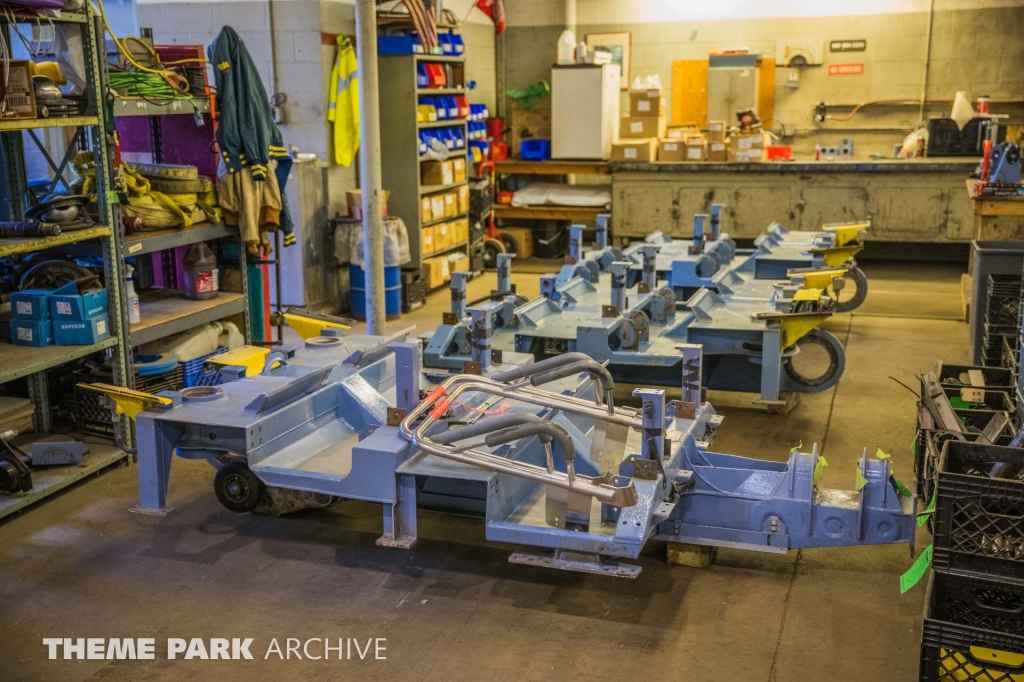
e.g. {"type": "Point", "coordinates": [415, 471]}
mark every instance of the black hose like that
{"type": "Point", "coordinates": [540, 429]}
{"type": "Point", "coordinates": [525, 371]}
{"type": "Point", "coordinates": [596, 370]}
{"type": "Point", "coordinates": [488, 425]}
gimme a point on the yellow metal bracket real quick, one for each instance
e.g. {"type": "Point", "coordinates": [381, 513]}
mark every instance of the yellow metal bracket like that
{"type": "Point", "coordinates": [251, 357]}
{"type": "Point", "coordinates": [822, 279]}
{"type": "Point", "coordinates": [794, 325]}
{"type": "Point", "coordinates": [847, 233]}
{"type": "Point", "coordinates": [126, 401]}
{"type": "Point", "coordinates": [807, 295]}
{"type": "Point", "coordinates": [308, 327]}
{"type": "Point", "coordinates": [838, 256]}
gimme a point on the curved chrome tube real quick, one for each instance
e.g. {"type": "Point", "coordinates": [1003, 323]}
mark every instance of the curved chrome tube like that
{"type": "Point", "coordinates": [433, 409]}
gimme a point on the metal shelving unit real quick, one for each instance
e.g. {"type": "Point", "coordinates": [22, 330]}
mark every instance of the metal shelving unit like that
{"type": "Point", "coordinates": [400, 144]}
{"type": "Point", "coordinates": [167, 312]}
{"type": "Point", "coordinates": [31, 363]}
{"type": "Point", "coordinates": [136, 106]}
{"type": "Point", "coordinates": [142, 243]}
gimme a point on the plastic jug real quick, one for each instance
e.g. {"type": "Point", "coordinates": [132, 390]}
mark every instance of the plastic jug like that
{"type": "Point", "coordinates": [201, 276]}
{"type": "Point", "coordinates": [567, 47]}
{"type": "Point", "coordinates": [134, 316]}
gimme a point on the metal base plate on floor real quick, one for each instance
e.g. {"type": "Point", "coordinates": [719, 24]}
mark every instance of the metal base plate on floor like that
{"type": "Point", "coordinates": [576, 561]}
{"type": "Point", "coordinates": [783, 406]}
{"type": "Point", "coordinates": [149, 511]}
{"type": "Point", "coordinates": [401, 542]}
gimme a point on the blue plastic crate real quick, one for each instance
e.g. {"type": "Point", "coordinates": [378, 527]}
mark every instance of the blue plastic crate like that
{"type": "Point", "coordinates": [394, 44]}
{"type": "Point", "coordinates": [191, 369]}
{"type": "Point", "coordinates": [535, 150]}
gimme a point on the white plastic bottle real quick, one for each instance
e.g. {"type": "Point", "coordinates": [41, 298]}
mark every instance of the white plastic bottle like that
{"type": "Point", "coordinates": [134, 316]}
{"type": "Point", "coordinates": [567, 47]}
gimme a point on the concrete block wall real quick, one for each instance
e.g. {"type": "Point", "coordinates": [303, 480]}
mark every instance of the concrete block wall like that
{"type": "Point", "coordinates": [975, 47]}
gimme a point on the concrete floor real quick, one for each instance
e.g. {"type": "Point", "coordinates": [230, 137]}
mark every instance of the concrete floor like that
{"type": "Point", "coordinates": [453, 608]}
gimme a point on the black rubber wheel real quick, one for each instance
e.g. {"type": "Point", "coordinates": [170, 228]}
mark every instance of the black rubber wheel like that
{"type": "Point", "coordinates": [510, 242]}
{"type": "Point", "coordinates": [237, 488]}
{"type": "Point", "coordinates": [492, 247]}
{"type": "Point", "coordinates": [846, 300]}
{"type": "Point", "coordinates": [812, 338]}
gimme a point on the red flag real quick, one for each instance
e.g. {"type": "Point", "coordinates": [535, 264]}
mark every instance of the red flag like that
{"type": "Point", "coordinates": [423, 20]}
{"type": "Point", "coordinates": [495, 9]}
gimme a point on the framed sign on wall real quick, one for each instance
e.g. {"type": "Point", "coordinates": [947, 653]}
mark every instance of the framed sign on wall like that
{"type": "Point", "coordinates": [619, 44]}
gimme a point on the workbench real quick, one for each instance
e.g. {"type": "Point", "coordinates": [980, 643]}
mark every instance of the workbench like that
{"type": "Point", "coordinates": [996, 218]}
{"type": "Point", "coordinates": [907, 200]}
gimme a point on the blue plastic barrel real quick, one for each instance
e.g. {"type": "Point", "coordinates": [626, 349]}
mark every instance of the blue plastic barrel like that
{"type": "Point", "coordinates": [392, 291]}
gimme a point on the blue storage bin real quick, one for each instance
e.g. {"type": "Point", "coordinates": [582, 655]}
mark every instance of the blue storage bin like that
{"type": "Point", "coordinates": [357, 276]}
{"type": "Point", "coordinates": [446, 43]}
{"type": "Point", "coordinates": [422, 79]}
{"type": "Point", "coordinates": [192, 369]}
{"type": "Point", "coordinates": [394, 45]}
{"type": "Point", "coordinates": [458, 45]}
{"type": "Point", "coordinates": [535, 150]}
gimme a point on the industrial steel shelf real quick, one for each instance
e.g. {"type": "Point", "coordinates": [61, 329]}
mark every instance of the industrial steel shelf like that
{"type": "Point", "coordinates": [442, 91]}
{"type": "Point", "coordinates": [548, 212]}
{"type": "Point", "coordinates": [447, 249]}
{"type": "Point", "coordinates": [444, 220]}
{"type": "Point", "coordinates": [436, 58]}
{"type": "Point", "coordinates": [21, 361]}
{"type": "Point", "coordinates": [137, 106]}
{"type": "Point", "coordinates": [9, 247]}
{"type": "Point", "coordinates": [449, 123]}
{"type": "Point", "coordinates": [451, 153]}
{"type": "Point", "coordinates": [166, 312]}
{"type": "Point", "coordinates": [430, 189]}
{"type": "Point", "coordinates": [147, 242]}
{"type": "Point", "coordinates": [62, 17]}
{"type": "Point", "coordinates": [48, 480]}
{"type": "Point", "coordinates": [13, 124]}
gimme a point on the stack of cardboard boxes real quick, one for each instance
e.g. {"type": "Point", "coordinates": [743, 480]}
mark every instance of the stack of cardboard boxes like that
{"type": "Point", "coordinates": [640, 131]}
{"type": "Point", "coordinates": [62, 316]}
{"type": "Point", "coordinates": [747, 148]}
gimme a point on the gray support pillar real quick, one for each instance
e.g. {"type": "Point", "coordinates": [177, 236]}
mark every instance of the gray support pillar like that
{"type": "Point", "coordinates": [458, 289]}
{"type": "Point", "coordinates": [619, 270]}
{"type": "Point", "coordinates": [602, 230]}
{"type": "Point", "coordinates": [370, 164]}
{"type": "Point", "coordinates": [716, 222]}
{"type": "Point", "coordinates": [480, 337]}
{"type": "Point", "coordinates": [504, 267]}
{"type": "Point", "coordinates": [408, 362]}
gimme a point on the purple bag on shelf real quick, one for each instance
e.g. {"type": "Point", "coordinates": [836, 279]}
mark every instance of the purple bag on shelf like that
{"type": "Point", "coordinates": [41, 4]}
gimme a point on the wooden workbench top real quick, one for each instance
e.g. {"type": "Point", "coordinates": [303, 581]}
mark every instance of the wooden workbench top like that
{"type": "Point", "coordinates": [940, 164]}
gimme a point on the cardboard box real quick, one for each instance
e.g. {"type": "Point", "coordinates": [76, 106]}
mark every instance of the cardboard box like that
{"type": "Point", "coordinates": [532, 123]}
{"type": "Point", "coordinates": [451, 204]}
{"type": "Point", "coordinates": [81, 332]}
{"type": "Point", "coordinates": [635, 150]}
{"type": "Point", "coordinates": [458, 262]}
{"type": "Point", "coordinates": [671, 151]}
{"type": "Point", "coordinates": [21, 96]}
{"type": "Point", "coordinates": [443, 236]}
{"type": "Point", "coordinates": [742, 142]}
{"type": "Point", "coordinates": [717, 152]}
{"type": "Point", "coordinates": [436, 206]}
{"type": "Point", "coordinates": [425, 213]}
{"type": "Point", "coordinates": [67, 304]}
{"type": "Point", "coordinates": [637, 127]}
{"type": "Point", "coordinates": [524, 237]}
{"type": "Point", "coordinates": [459, 169]}
{"type": "Point", "coordinates": [436, 271]}
{"type": "Point", "coordinates": [716, 131]}
{"type": "Point", "coordinates": [437, 172]}
{"type": "Point", "coordinates": [679, 132]}
{"type": "Point", "coordinates": [31, 304]}
{"type": "Point", "coordinates": [696, 148]}
{"type": "Point", "coordinates": [748, 156]}
{"type": "Point", "coordinates": [647, 102]}
{"type": "Point", "coordinates": [461, 230]}
{"type": "Point", "coordinates": [427, 240]}
{"type": "Point", "coordinates": [354, 199]}
{"type": "Point", "coordinates": [463, 193]}
{"type": "Point", "coordinates": [31, 332]}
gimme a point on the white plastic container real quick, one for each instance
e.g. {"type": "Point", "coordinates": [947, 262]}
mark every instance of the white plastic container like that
{"type": "Point", "coordinates": [198, 342]}
{"type": "Point", "coordinates": [567, 47]}
{"type": "Point", "coordinates": [134, 315]}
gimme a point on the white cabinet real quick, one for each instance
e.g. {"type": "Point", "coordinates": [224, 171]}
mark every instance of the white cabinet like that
{"type": "Point", "coordinates": [584, 110]}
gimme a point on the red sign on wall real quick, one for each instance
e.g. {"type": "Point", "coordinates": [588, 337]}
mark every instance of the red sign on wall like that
{"type": "Point", "coordinates": [845, 69]}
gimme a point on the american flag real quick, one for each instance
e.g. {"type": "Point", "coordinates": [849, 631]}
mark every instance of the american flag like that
{"type": "Point", "coordinates": [423, 20]}
{"type": "Point", "coordinates": [495, 9]}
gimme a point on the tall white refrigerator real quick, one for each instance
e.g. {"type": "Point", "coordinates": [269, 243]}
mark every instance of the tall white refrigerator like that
{"type": "Point", "coordinates": [584, 110]}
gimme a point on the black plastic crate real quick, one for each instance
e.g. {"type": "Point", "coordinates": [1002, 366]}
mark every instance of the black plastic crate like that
{"type": "Point", "coordinates": [956, 652]}
{"type": "Point", "coordinates": [979, 602]}
{"type": "Point", "coordinates": [476, 257]}
{"type": "Point", "coordinates": [975, 421]}
{"type": "Point", "coordinates": [928, 450]}
{"type": "Point", "coordinates": [93, 417]}
{"type": "Point", "coordinates": [993, 401]}
{"type": "Point", "coordinates": [979, 521]}
{"type": "Point", "coordinates": [481, 199]}
{"type": "Point", "coordinates": [995, 377]}
{"type": "Point", "coordinates": [476, 231]}
{"type": "Point", "coordinates": [414, 290]}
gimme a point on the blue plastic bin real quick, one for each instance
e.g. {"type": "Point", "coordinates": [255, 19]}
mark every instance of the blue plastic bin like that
{"type": "Point", "coordinates": [357, 276]}
{"type": "Point", "coordinates": [394, 45]}
{"type": "Point", "coordinates": [535, 150]}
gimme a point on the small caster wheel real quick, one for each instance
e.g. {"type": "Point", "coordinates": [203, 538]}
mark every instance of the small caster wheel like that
{"type": "Point", "coordinates": [238, 488]}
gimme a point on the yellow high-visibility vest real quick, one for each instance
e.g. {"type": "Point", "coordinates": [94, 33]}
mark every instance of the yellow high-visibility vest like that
{"type": "Point", "coordinates": [344, 107]}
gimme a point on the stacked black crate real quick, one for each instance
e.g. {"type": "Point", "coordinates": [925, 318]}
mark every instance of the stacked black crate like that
{"type": "Point", "coordinates": [481, 201]}
{"type": "Point", "coordinates": [974, 614]}
{"type": "Point", "coordinates": [1001, 324]}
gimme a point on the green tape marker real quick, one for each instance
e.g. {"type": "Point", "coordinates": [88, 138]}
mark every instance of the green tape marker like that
{"type": "Point", "coordinates": [112, 197]}
{"type": "Point", "coordinates": [917, 571]}
{"type": "Point", "coordinates": [860, 481]}
{"type": "Point", "coordinates": [922, 517]}
{"type": "Point", "coordinates": [902, 489]}
{"type": "Point", "coordinates": [881, 455]}
{"type": "Point", "coordinates": [913, 447]}
{"type": "Point", "coordinates": [818, 467]}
